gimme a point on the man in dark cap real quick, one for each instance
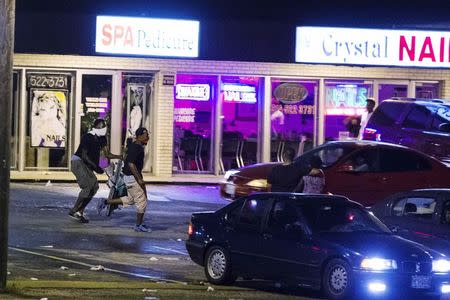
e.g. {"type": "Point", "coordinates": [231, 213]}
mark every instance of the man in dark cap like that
{"type": "Point", "coordinates": [132, 170]}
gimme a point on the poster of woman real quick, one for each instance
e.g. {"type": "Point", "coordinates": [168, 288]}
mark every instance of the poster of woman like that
{"type": "Point", "coordinates": [48, 118]}
{"type": "Point", "coordinates": [136, 107]}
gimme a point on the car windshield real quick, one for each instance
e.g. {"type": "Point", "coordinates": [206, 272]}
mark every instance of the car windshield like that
{"type": "Point", "coordinates": [340, 217]}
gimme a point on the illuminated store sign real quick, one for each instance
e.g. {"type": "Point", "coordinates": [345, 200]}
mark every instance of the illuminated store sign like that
{"type": "Point", "coordinates": [197, 92]}
{"type": "Point", "coordinates": [184, 115]}
{"type": "Point", "coordinates": [345, 99]}
{"type": "Point", "coordinates": [353, 46]}
{"type": "Point", "coordinates": [233, 92]}
{"type": "Point", "coordinates": [144, 36]}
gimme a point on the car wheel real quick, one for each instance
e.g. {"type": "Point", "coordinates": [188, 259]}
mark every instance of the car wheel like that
{"type": "Point", "coordinates": [337, 280]}
{"type": "Point", "coordinates": [218, 266]}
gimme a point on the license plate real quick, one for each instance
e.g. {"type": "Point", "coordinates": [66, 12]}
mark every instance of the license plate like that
{"type": "Point", "coordinates": [421, 282]}
{"type": "Point", "coordinates": [230, 189]}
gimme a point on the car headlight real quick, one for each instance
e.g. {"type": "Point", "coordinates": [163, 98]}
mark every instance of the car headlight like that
{"type": "Point", "coordinates": [378, 264]}
{"type": "Point", "coordinates": [258, 183]}
{"type": "Point", "coordinates": [230, 173]}
{"type": "Point", "coordinates": [441, 266]}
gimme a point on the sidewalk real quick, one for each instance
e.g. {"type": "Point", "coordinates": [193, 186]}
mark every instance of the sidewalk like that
{"type": "Point", "coordinates": [117, 290]}
{"type": "Point", "coordinates": [69, 177]}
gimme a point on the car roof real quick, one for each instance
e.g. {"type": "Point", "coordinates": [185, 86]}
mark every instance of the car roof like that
{"type": "Point", "coordinates": [423, 101]}
{"type": "Point", "coordinates": [440, 190]}
{"type": "Point", "coordinates": [307, 198]}
{"type": "Point", "coordinates": [364, 143]}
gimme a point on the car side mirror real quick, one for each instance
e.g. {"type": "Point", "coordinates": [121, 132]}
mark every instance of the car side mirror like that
{"type": "Point", "coordinates": [394, 228]}
{"type": "Point", "coordinates": [445, 127]}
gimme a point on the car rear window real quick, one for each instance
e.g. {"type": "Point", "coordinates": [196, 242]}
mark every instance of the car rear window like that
{"type": "Point", "coordinates": [397, 160]}
{"type": "Point", "coordinates": [386, 113]}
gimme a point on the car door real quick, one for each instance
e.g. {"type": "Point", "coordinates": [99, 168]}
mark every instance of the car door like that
{"type": "Point", "coordinates": [402, 170]}
{"type": "Point", "coordinates": [438, 140]}
{"type": "Point", "coordinates": [443, 228]}
{"type": "Point", "coordinates": [242, 234]}
{"type": "Point", "coordinates": [357, 177]}
{"type": "Point", "coordinates": [287, 247]}
{"type": "Point", "coordinates": [413, 126]}
{"type": "Point", "coordinates": [413, 217]}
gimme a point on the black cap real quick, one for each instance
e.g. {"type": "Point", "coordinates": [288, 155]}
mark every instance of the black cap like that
{"type": "Point", "coordinates": [140, 131]}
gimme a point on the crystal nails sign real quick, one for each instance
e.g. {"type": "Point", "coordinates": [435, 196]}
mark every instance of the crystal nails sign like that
{"type": "Point", "coordinates": [145, 36]}
{"type": "Point", "coordinates": [353, 46]}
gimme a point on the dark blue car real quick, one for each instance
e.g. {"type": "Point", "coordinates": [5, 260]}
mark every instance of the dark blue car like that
{"type": "Point", "coordinates": [316, 241]}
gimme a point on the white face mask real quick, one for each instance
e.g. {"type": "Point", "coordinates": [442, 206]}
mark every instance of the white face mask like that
{"type": "Point", "coordinates": [100, 132]}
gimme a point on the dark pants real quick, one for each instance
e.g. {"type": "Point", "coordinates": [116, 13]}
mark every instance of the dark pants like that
{"type": "Point", "coordinates": [88, 183]}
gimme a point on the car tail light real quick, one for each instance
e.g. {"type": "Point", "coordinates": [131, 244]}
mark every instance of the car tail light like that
{"type": "Point", "coordinates": [190, 229]}
{"type": "Point", "coordinates": [371, 134]}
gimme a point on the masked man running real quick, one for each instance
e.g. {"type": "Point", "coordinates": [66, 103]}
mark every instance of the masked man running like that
{"type": "Point", "coordinates": [84, 162]}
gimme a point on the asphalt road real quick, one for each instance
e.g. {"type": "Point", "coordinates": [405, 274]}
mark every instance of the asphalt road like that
{"type": "Point", "coordinates": [45, 244]}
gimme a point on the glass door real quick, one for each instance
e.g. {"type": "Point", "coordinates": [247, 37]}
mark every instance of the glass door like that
{"type": "Point", "coordinates": [292, 116]}
{"type": "Point", "coordinates": [96, 103]}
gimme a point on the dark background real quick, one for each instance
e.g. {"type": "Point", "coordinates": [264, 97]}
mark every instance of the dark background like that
{"type": "Point", "coordinates": [229, 30]}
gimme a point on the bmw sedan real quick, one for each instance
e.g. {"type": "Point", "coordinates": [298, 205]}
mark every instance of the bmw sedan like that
{"type": "Point", "coordinates": [317, 241]}
{"type": "Point", "coordinates": [364, 171]}
{"type": "Point", "coordinates": [419, 215]}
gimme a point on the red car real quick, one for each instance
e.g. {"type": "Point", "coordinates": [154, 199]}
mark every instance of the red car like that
{"type": "Point", "coordinates": [363, 171]}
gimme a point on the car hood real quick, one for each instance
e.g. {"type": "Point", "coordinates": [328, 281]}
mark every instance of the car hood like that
{"type": "Point", "coordinates": [256, 171]}
{"type": "Point", "coordinates": [380, 245]}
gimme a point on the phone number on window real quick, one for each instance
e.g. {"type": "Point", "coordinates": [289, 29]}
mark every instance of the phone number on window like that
{"type": "Point", "coordinates": [47, 81]}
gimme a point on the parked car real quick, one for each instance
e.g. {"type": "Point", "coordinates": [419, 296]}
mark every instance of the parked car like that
{"type": "Point", "coordinates": [364, 171]}
{"type": "Point", "coordinates": [420, 215]}
{"type": "Point", "coordinates": [317, 241]}
{"type": "Point", "coordinates": [422, 124]}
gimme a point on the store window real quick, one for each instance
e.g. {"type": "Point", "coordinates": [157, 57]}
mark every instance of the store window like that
{"type": "Point", "coordinates": [292, 114]}
{"type": "Point", "coordinates": [388, 90]}
{"type": "Point", "coordinates": [345, 101]}
{"type": "Point", "coordinates": [427, 90]}
{"type": "Point", "coordinates": [96, 104]}
{"type": "Point", "coordinates": [193, 122]}
{"type": "Point", "coordinates": [240, 97]}
{"type": "Point", "coordinates": [15, 122]}
{"type": "Point", "coordinates": [46, 142]}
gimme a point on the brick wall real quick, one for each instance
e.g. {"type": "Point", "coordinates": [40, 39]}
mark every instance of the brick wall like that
{"type": "Point", "coordinates": [163, 106]}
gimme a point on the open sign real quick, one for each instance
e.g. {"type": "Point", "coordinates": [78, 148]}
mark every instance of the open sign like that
{"type": "Point", "coordinates": [290, 93]}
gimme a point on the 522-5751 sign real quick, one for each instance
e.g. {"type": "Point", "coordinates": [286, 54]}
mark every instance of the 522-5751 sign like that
{"type": "Point", "coordinates": [53, 81]}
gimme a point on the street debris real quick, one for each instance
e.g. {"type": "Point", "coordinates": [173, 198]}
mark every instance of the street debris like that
{"type": "Point", "coordinates": [149, 291]}
{"type": "Point", "coordinates": [171, 258]}
{"type": "Point", "coordinates": [151, 298]}
{"type": "Point", "coordinates": [49, 183]}
{"type": "Point", "coordinates": [33, 278]}
{"type": "Point", "coordinates": [153, 259]}
{"type": "Point", "coordinates": [98, 268]}
{"type": "Point", "coordinates": [210, 289]}
{"type": "Point", "coordinates": [179, 240]}
{"type": "Point", "coordinates": [64, 268]}
{"type": "Point", "coordinates": [44, 298]}
{"type": "Point", "coordinates": [72, 274]}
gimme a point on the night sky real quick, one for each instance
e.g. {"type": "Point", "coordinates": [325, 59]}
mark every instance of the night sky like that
{"type": "Point", "coordinates": [229, 29]}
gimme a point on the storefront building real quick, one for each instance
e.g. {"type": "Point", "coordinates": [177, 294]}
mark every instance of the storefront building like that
{"type": "Point", "coordinates": [206, 117]}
